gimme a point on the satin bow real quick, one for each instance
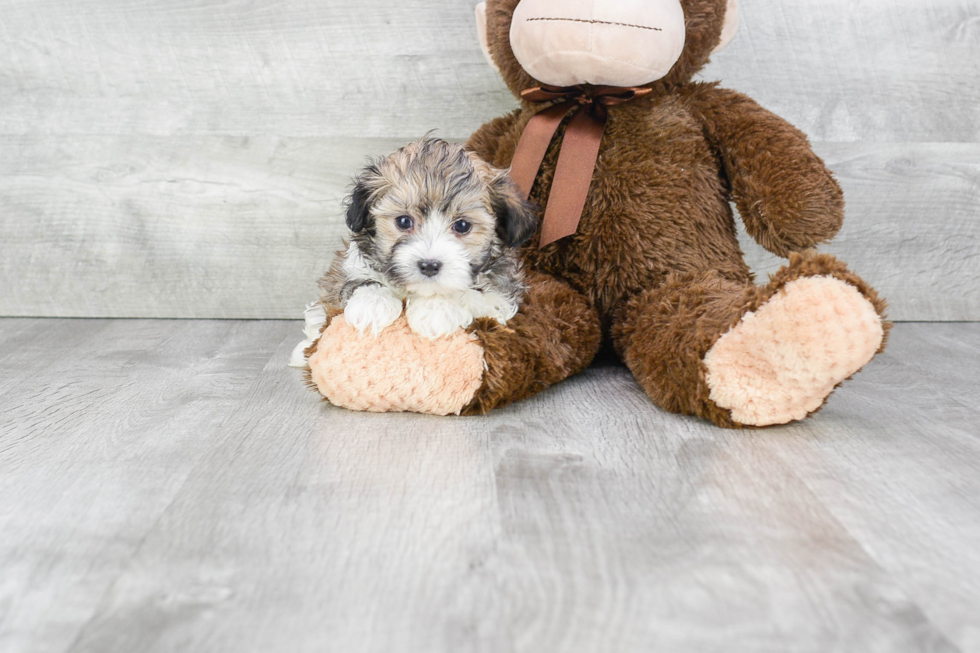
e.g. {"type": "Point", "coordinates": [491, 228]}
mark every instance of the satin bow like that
{"type": "Point", "coordinates": [579, 148]}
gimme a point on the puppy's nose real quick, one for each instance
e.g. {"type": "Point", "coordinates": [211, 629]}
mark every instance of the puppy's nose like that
{"type": "Point", "coordinates": [430, 268]}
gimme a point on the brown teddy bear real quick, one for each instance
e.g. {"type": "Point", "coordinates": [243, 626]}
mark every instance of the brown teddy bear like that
{"type": "Point", "coordinates": [633, 166]}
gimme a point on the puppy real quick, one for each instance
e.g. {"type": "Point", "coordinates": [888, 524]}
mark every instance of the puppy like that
{"type": "Point", "coordinates": [434, 230]}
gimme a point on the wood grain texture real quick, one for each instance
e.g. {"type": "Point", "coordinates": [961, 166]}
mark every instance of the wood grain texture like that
{"type": "Point", "coordinates": [171, 227]}
{"type": "Point", "coordinates": [171, 486]}
{"type": "Point", "coordinates": [887, 71]}
{"type": "Point", "coordinates": [163, 159]}
{"type": "Point", "coordinates": [101, 424]}
{"type": "Point", "coordinates": [877, 501]}
{"type": "Point", "coordinates": [369, 68]}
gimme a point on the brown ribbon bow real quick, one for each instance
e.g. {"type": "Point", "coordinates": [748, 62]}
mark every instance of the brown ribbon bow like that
{"type": "Point", "coordinates": [579, 148]}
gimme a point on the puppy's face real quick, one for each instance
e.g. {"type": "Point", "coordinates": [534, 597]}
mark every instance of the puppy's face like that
{"type": "Point", "coordinates": [433, 216]}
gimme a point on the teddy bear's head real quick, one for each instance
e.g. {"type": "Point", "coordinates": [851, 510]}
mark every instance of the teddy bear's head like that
{"type": "Point", "coordinates": [602, 42]}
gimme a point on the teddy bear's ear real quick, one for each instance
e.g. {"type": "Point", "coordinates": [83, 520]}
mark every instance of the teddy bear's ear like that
{"type": "Point", "coordinates": [481, 32]}
{"type": "Point", "coordinates": [731, 26]}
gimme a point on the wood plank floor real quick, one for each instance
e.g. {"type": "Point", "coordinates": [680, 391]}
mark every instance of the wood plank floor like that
{"type": "Point", "coordinates": [171, 486]}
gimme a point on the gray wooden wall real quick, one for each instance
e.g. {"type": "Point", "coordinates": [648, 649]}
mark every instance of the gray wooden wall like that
{"type": "Point", "coordinates": [187, 158]}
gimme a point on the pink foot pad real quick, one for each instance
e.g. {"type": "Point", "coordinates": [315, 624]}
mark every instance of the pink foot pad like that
{"type": "Point", "coordinates": [779, 363]}
{"type": "Point", "coordinates": [397, 371]}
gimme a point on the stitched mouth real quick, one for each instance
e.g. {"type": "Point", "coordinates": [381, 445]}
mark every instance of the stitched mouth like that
{"type": "Point", "coordinates": [596, 22]}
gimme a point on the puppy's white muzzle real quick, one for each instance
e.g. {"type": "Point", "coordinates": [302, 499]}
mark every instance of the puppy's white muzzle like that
{"type": "Point", "coordinates": [433, 262]}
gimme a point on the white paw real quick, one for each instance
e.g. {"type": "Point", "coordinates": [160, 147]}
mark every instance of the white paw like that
{"type": "Point", "coordinates": [298, 357]}
{"type": "Point", "coordinates": [435, 317]}
{"type": "Point", "coordinates": [314, 317]}
{"type": "Point", "coordinates": [372, 307]}
{"type": "Point", "coordinates": [490, 304]}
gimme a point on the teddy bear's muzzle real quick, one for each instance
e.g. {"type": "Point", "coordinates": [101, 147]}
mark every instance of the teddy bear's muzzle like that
{"type": "Point", "coordinates": [607, 42]}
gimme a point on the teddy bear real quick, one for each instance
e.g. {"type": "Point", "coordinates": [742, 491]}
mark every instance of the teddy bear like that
{"type": "Point", "coordinates": [634, 167]}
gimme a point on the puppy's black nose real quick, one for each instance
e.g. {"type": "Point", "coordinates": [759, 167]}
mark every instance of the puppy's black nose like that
{"type": "Point", "coordinates": [430, 268]}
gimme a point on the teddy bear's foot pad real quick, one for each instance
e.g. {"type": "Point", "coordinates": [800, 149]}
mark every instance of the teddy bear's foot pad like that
{"type": "Point", "coordinates": [780, 362]}
{"type": "Point", "coordinates": [396, 371]}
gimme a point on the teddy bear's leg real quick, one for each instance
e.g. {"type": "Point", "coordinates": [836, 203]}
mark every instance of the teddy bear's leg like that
{"type": "Point", "coordinates": [555, 335]}
{"type": "Point", "coordinates": [745, 355]}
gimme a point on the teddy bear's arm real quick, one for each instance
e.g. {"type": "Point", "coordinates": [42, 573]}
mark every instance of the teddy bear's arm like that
{"type": "Point", "coordinates": [788, 199]}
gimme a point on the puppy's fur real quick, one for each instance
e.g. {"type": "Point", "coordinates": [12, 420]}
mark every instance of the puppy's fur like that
{"type": "Point", "coordinates": [436, 228]}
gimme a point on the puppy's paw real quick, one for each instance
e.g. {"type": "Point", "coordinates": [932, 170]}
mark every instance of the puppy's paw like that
{"type": "Point", "coordinates": [314, 317]}
{"type": "Point", "coordinates": [490, 304]}
{"type": "Point", "coordinates": [436, 317]}
{"type": "Point", "coordinates": [372, 307]}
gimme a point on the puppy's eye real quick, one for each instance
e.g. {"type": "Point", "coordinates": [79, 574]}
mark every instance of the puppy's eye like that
{"type": "Point", "coordinates": [462, 227]}
{"type": "Point", "coordinates": [404, 223]}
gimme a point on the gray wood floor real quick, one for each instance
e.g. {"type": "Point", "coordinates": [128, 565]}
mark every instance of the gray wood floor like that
{"type": "Point", "coordinates": [171, 486]}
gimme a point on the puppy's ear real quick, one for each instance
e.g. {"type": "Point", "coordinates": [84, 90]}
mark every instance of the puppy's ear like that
{"type": "Point", "coordinates": [516, 219]}
{"type": "Point", "coordinates": [359, 204]}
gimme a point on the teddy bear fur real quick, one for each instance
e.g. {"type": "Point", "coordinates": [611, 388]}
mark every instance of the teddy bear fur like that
{"type": "Point", "coordinates": [655, 268]}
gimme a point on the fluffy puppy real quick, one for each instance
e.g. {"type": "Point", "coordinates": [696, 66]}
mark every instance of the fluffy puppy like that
{"type": "Point", "coordinates": [434, 230]}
